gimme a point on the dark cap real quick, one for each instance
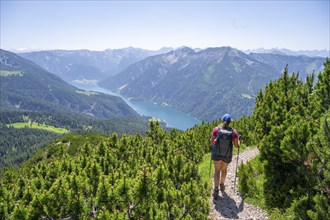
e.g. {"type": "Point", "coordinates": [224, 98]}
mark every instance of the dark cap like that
{"type": "Point", "coordinates": [226, 118]}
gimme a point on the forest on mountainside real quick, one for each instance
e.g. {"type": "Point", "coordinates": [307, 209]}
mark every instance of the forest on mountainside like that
{"type": "Point", "coordinates": [19, 144]}
{"type": "Point", "coordinates": [157, 176]}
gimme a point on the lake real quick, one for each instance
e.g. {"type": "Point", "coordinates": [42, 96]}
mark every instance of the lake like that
{"type": "Point", "coordinates": [172, 117]}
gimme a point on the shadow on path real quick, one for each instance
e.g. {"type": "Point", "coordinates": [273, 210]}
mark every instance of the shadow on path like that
{"type": "Point", "coordinates": [227, 206]}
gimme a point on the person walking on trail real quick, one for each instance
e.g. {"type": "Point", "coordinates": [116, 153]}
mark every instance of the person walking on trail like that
{"type": "Point", "coordinates": [222, 139]}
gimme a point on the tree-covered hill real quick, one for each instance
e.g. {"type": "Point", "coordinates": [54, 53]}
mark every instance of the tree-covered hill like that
{"type": "Point", "coordinates": [26, 86]}
{"type": "Point", "coordinates": [17, 145]}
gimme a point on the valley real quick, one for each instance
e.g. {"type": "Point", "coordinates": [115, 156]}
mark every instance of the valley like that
{"type": "Point", "coordinates": [167, 114]}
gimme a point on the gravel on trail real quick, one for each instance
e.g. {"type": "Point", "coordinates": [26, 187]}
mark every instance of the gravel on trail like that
{"type": "Point", "coordinates": [230, 204]}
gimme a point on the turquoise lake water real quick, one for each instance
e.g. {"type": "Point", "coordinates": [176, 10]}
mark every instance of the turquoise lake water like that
{"type": "Point", "coordinates": [172, 117]}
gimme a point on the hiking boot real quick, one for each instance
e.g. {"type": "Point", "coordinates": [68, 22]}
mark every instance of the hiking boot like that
{"type": "Point", "coordinates": [222, 186]}
{"type": "Point", "coordinates": [215, 192]}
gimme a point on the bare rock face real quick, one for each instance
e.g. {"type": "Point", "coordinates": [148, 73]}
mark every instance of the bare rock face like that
{"type": "Point", "coordinates": [230, 204]}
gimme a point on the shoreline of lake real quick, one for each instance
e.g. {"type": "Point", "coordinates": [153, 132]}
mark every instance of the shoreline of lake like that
{"type": "Point", "coordinates": [171, 116]}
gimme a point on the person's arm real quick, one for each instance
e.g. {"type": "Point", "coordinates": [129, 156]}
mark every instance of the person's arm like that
{"type": "Point", "coordinates": [236, 141]}
{"type": "Point", "coordinates": [213, 135]}
{"type": "Point", "coordinates": [212, 138]}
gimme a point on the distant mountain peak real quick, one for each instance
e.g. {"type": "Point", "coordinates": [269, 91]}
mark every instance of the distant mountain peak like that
{"type": "Point", "coordinates": [184, 50]}
{"type": "Point", "coordinates": [177, 54]}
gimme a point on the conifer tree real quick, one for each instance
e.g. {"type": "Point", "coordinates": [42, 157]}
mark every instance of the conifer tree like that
{"type": "Point", "coordinates": [283, 133]}
{"type": "Point", "coordinates": [322, 91]}
{"type": "Point", "coordinates": [319, 160]}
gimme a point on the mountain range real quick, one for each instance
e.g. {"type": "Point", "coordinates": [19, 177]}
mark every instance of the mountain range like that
{"type": "Point", "coordinates": [207, 83]}
{"type": "Point", "coordinates": [190, 80]}
{"type": "Point", "coordinates": [85, 66]}
{"type": "Point", "coordinates": [88, 66]}
{"type": "Point", "coordinates": [302, 64]}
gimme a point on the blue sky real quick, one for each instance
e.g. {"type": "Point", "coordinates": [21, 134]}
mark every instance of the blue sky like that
{"type": "Point", "coordinates": [98, 25]}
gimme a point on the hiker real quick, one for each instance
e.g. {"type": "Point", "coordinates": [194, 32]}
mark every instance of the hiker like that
{"type": "Point", "coordinates": [222, 139]}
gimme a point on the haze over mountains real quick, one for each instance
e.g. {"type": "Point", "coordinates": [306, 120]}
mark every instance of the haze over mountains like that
{"type": "Point", "coordinates": [85, 66]}
{"type": "Point", "coordinates": [203, 83]}
{"type": "Point", "coordinates": [283, 51]}
{"type": "Point", "coordinates": [88, 66]}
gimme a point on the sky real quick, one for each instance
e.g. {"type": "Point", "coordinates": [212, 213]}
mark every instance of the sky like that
{"type": "Point", "coordinates": [100, 25]}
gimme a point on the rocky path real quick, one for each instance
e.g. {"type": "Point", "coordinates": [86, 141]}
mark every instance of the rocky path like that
{"type": "Point", "coordinates": [229, 204]}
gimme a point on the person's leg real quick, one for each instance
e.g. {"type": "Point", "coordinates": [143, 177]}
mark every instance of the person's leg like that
{"type": "Point", "coordinates": [224, 167]}
{"type": "Point", "coordinates": [217, 170]}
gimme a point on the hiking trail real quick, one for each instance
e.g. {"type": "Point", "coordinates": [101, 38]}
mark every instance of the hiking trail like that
{"type": "Point", "coordinates": [230, 204]}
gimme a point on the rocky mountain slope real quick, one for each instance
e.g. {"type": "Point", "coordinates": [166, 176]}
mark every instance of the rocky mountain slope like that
{"type": "Point", "coordinates": [207, 83]}
{"type": "Point", "coordinates": [88, 66]}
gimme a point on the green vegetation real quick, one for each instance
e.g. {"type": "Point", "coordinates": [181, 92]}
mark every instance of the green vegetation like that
{"type": "Point", "coordinates": [291, 178]}
{"type": "Point", "coordinates": [209, 73]}
{"type": "Point", "coordinates": [11, 73]}
{"type": "Point", "coordinates": [108, 177]}
{"type": "Point", "coordinates": [206, 169]}
{"type": "Point", "coordinates": [18, 145]}
{"type": "Point", "coordinates": [39, 126]}
{"type": "Point", "coordinates": [165, 174]}
{"type": "Point", "coordinates": [251, 182]}
{"type": "Point", "coordinates": [50, 103]}
{"type": "Point", "coordinates": [88, 93]}
{"type": "Point", "coordinates": [85, 81]}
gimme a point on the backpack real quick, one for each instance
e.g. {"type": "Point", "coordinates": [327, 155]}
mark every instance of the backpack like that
{"type": "Point", "coordinates": [224, 142]}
